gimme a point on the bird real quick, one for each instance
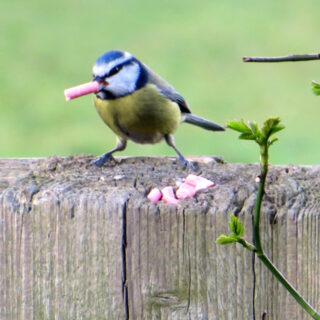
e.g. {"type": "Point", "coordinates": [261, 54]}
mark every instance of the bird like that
{"type": "Point", "coordinates": [138, 105]}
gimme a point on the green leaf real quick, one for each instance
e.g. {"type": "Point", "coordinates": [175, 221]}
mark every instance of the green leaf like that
{"type": "Point", "coordinates": [316, 91]}
{"type": "Point", "coordinates": [315, 84]}
{"type": "Point", "coordinates": [250, 130]}
{"type": "Point", "coordinates": [239, 126]}
{"type": "Point", "coordinates": [236, 226]}
{"type": "Point", "coordinates": [260, 139]}
{"type": "Point", "coordinates": [234, 236]}
{"type": "Point", "coordinates": [272, 141]}
{"type": "Point", "coordinates": [247, 136]}
{"type": "Point", "coordinates": [271, 122]}
{"type": "Point", "coordinates": [223, 239]}
{"type": "Point", "coordinates": [276, 129]}
{"type": "Point", "coordinates": [270, 125]}
{"type": "Point", "coordinates": [254, 127]}
{"type": "Point", "coordinates": [316, 87]}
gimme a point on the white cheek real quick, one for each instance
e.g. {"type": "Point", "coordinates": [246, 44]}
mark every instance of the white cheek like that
{"type": "Point", "coordinates": [125, 81]}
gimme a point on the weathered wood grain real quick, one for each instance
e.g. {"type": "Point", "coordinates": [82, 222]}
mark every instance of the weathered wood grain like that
{"type": "Point", "coordinates": [79, 242]}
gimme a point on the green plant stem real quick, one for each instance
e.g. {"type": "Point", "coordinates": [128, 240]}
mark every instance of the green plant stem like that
{"type": "Point", "coordinates": [305, 305]}
{"type": "Point", "coordinates": [274, 270]}
{"type": "Point", "coordinates": [257, 241]}
{"type": "Point", "coordinates": [256, 218]}
{"type": "Point", "coordinates": [247, 245]}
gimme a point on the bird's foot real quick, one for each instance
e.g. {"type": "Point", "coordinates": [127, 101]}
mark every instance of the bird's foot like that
{"type": "Point", "coordinates": [187, 164]}
{"type": "Point", "coordinates": [102, 160]}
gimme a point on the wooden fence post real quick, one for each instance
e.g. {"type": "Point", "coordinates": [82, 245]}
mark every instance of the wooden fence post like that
{"type": "Point", "coordinates": [80, 242]}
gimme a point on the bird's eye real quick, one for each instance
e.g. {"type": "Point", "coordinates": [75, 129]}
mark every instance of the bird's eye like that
{"type": "Point", "coordinates": [114, 71]}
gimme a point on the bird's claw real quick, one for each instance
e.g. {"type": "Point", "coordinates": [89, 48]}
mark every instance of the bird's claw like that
{"type": "Point", "coordinates": [188, 164]}
{"type": "Point", "coordinates": [102, 160]}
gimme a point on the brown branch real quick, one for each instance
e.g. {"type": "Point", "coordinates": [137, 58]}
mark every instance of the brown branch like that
{"type": "Point", "coordinates": [294, 57]}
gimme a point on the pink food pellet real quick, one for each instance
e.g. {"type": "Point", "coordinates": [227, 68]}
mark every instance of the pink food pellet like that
{"type": "Point", "coordinates": [168, 196]}
{"type": "Point", "coordinates": [185, 191]}
{"type": "Point", "coordinates": [199, 183]}
{"type": "Point", "coordinates": [154, 195]}
{"type": "Point", "coordinates": [81, 90]}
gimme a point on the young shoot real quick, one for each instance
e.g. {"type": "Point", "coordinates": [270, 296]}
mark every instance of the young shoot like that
{"type": "Point", "coordinates": [264, 137]}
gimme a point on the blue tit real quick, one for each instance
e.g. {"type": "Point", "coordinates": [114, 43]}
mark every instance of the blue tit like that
{"type": "Point", "coordinates": [138, 105]}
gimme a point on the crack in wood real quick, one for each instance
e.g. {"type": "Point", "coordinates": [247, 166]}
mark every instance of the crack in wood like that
{"type": "Point", "coordinates": [189, 282]}
{"type": "Point", "coordinates": [125, 294]}
{"type": "Point", "coordinates": [253, 286]}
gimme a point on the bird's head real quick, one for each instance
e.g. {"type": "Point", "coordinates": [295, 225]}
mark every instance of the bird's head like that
{"type": "Point", "coordinates": [119, 74]}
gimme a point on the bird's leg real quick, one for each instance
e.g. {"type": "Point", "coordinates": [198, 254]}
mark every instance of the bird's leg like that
{"type": "Point", "coordinates": [121, 145]}
{"type": "Point", "coordinates": [170, 141]}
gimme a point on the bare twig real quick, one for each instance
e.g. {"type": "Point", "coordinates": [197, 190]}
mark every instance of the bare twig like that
{"type": "Point", "coordinates": [294, 57]}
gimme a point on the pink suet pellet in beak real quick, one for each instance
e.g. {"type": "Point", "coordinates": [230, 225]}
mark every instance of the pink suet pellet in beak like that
{"type": "Point", "coordinates": [81, 90]}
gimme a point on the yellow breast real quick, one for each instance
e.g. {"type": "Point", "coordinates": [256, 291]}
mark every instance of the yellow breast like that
{"type": "Point", "coordinates": [145, 116]}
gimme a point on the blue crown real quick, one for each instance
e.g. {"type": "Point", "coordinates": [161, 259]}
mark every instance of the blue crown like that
{"type": "Point", "coordinates": [110, 56]}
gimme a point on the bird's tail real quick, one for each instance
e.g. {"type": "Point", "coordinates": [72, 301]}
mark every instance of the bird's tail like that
{"type": "Point", "coordinates": [201, 122]}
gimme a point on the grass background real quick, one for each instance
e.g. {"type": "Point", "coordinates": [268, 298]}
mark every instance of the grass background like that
{"type": "Point", "coordinates": [197, 46]}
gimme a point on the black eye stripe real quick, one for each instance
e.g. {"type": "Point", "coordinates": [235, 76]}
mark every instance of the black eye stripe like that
{"type": "Point", "coordinates": [117, 68]}
{"type": "Point", "coordinates": [114, 71]}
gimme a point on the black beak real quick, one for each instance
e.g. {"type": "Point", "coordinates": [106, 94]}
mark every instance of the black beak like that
{"type": "Point", "coordinates": [102, 82]}
{"type": "Point", "coordinates": [96, 78]}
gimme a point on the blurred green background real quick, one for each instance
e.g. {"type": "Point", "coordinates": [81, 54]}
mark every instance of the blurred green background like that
{"type": "Point", "coordinates": [197, 46]}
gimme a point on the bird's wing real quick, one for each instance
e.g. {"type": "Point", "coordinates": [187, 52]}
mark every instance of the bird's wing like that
{"type": "Point", "coordinates": [168, 91]}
